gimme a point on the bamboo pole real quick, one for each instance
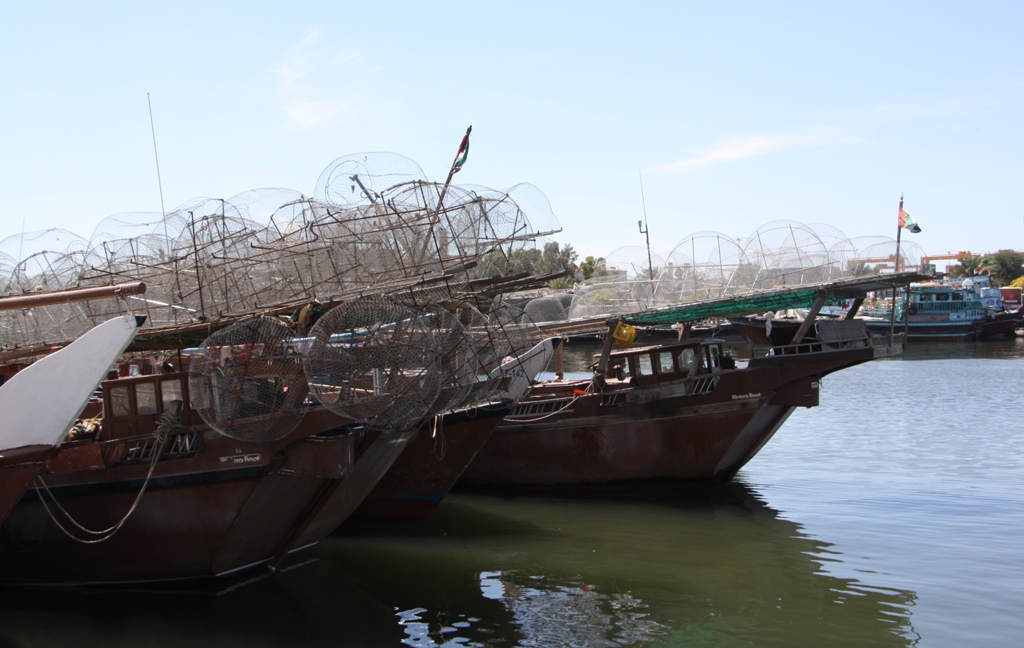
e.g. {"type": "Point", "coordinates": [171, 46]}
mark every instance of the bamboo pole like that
{"type": "Point", "coordinates": [69, 296]}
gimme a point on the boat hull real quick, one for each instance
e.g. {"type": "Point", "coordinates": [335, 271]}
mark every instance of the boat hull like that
{"type": "Point", "coordinates": [215, 508]}
{"type": "Point", "coordinates": [228, 507]}
{"type": "Point", "coordinates": [431, 464]}
{"type": "Point", "coordinates": [632, 434]}
{"type": "Point", "coordinates": [931, 330]}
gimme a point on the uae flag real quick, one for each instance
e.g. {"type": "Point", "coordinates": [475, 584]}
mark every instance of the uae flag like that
{"type": "Point", "coordinates": [908, 222]}
{"type": "Point", "coordinates": [460, 157]}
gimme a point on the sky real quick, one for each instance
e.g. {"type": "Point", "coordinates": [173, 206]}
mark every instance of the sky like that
{"type": "Point", "coordinates": [695, 116]}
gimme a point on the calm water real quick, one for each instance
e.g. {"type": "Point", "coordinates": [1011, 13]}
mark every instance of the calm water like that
{"type": "Point", "coordinates": [891, 515]}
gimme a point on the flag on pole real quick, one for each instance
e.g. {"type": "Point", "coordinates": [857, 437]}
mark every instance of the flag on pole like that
{"type": "Point", "coordinates": [908, 222]}
{"type": "Point", "coordinates": [460, 157]}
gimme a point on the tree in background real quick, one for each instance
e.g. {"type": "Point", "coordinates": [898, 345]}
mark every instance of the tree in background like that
{"type": "Point", "coordinates": [520, 260]}
{"type": "Point", "coordinates": [969, 266]}
{"type": "Point", "coordinates": [555, 258]}
{"type": "Point", "coordinates": [592, 267]}
{"type": "Point", "coordinates": [549, 260]}
{"type": "Point", "coordinates": [1006, 265]}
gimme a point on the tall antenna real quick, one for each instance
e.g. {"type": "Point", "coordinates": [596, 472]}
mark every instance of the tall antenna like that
{"type": "Point", "coordinates": [644, 229]}
{"type": "Point", "coordinates": [152, 128]}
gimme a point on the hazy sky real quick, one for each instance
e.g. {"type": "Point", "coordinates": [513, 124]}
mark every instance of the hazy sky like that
{"type": "Point", "coordinates": [734, 113]}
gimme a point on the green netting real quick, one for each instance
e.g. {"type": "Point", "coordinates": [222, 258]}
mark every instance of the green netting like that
{"type": "Point", "coordinates": [724, 308]}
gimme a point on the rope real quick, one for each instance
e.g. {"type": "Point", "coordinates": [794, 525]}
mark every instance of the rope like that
{"type": "Point", "coordinates": [168, 422]}
{"type": "Point", "coordinates": [438, 436]}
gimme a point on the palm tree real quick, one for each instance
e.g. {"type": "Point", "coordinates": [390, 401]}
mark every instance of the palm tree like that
{"type": "Point", "coordinates": [970, 266]}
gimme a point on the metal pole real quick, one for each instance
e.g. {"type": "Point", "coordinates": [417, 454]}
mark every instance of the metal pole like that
{"type": "Point", "coordinates": [454, 169]}
{"type": "Point", "coordinates": [643, 228]}
{"type": "Point", "coordinates": [896, 269]}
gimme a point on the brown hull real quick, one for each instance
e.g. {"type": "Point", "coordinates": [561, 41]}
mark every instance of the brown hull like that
{"type": "Point", "coordinates": [225, 507]}
{"type": "Point", "coordinates": [634, 433]}
{"type": "Point", "coordinates": [18, 468]}
{"type": "Point", "coordinates": [1001, 325]}
{"type": "Point", "coordinates": [431, 464]}
{"type": "Point", "coordinates": [229, 506]}
{"type": "Point", "coordinates": [379, 452]}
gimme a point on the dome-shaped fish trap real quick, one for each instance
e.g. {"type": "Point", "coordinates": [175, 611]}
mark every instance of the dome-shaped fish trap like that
{"type": "Point", "coordinates": [247, 382]}
{"type": "Point", "coordinates": [497, 337]}
{"type": "Point", "coordinates": [374, 361]}
{"type": "Point", "coordinates": [456, 359]}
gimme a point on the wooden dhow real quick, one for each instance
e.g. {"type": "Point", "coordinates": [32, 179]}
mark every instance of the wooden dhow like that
{"type": "Point", "coordinates": [685, 411]}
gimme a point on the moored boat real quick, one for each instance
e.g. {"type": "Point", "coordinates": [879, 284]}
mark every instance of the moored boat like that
{"type": "Point", "coordinates": [232, 464]}
{"type": "Point", "coordinates": [208, 472]}
{"type": "Point", "coordinates": [950, 310]}
{"type": "Point", "coordinates": [155, 494]}
{"type": "Point", "coordinates": [684, 411]}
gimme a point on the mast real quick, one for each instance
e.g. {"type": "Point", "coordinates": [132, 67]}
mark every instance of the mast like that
{"type": "Point", "coordinates": [896, 269]}
{"type": "Point", "coordinates": [460, 159]}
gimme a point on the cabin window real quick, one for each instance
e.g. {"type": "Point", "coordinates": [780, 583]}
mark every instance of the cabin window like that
{"type": "Point", "coordinates": [644, 366]}
{"type": "Point", "coordinates": [942, 297]}
{"type": "Point", "coordinates": [119, 405]}
{"type": "Point", "coordinates": [145, 398]}
{"type": "Point", "coordinates": [958, 297]}
{"type": "Point", "coordinates": [685, 359]}
{"type": "Point", "coordinates": [170, 391]}
{"type": "Point", "coordinates": [711, 354]}
{"type": "Point", "coordinates": [924, 298]}
{"type": "Point", "coordinates": [665, 364]}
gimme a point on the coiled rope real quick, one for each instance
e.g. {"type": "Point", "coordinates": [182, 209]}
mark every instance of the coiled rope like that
{"type": "Point", "coordinates": [168, 423]}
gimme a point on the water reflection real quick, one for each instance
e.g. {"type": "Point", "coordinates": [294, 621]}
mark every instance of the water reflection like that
{"type": "Point", "coordinates": [660, 567]}
{"type": "Point", "coordinates": [716, 565]}
{"type": "Point", "coordinates": [313, 603]}
{"type": "Point", "coordinates": [1005, 349]}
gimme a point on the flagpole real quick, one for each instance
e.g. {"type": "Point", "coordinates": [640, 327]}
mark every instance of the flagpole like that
{"type": "Point", "coordinates": [455, 168]}
{"type": "Point", "coordinates": [896, 269]}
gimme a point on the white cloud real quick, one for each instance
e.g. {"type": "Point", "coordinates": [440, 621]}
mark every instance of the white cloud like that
{"type": "Point", "coordinates": [312, 81]}
{"type": "Point", "coordinates": [745, 146]}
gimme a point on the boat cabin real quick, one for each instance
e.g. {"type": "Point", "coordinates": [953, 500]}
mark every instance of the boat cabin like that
{"type": "Point", "coordinates": [651, 365]}
{"type": "Point", "coordinates": [133, 406]}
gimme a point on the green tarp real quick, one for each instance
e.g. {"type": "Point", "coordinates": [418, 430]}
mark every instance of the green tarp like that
{"type": "Point", "coordinates": [723, 308]}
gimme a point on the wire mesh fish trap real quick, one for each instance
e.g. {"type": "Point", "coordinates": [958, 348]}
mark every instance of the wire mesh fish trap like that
{"type": "Point", "coordinates": [373, 222]}
{"type": "Point", "coordinates": [246, 381]}
{"type": "Point", "coordinates": [374, 361]}
{"type": "Point", "coordinates": [501, 334]}
{"type": "Point", "coordinates": [456, 358]}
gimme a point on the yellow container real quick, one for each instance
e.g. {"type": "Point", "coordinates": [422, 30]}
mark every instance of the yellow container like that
{"type": "Point", "coordinates": [624, 334]}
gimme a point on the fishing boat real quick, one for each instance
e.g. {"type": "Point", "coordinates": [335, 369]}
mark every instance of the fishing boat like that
{"type": "Point", "coordinates": [216, 462]}
{"type": "Point", "coordinates": [222, 461]}
{"type": "Point", "coordinates": [945, 310]}
{"type": "Point", "coordinates": [208, 467]}
{"type": "Point", "coordinates": [148, 491]}
{"type": "Point", "coordinates": [684, 411]}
